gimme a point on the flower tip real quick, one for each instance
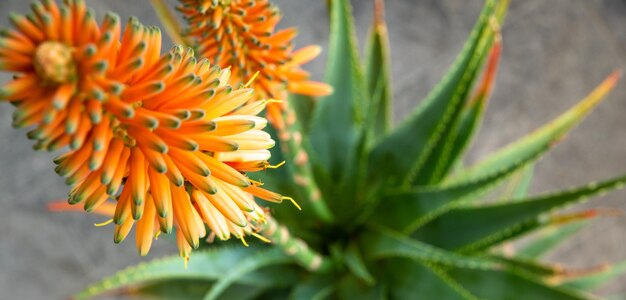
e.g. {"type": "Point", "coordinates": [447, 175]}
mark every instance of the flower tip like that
{"type": "Point", "coordinates": [59, 205]}
{"type": "Point", "coordinates": [615, 76]}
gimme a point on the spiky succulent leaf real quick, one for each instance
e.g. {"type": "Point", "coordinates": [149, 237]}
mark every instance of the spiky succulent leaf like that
{"type": "Point", "coordinates": [314, 288]}
{"type": "Point", "coordinates": [475, 228]}
{"type": "Point", "coordinates": [303, 106]}
{"type": "Point", "coordinates": [245, 267]}
{"type": "Point", "coordinates": [518, 184]}
{"type": "Point", "coordinates": [355, 263]}
{"type": "Point", "coordinates": [209, 265]}
{"type": "Point", "coordinates": [398, 158]}
{"type": "Point", "coordinates": [496, 284]}
{"type": "Point", "coordinates": [378, 76]}
{"type": "Point", "coordinates": [540, 140]}
{"type": "Point", "coordinates": [597, 279]}
{"type": "Point", "coordinates": [337, 118]}
{"type": "Point", "coordinates": [549, 238]}
{"type": "Point", "coordinates": [528, 266]}
{"type": "Point", "coordinates": [453, 143]}
{"type": "Point", "coordinates": [191, 289]}
{"type": "Point", "coordinates": [407, 278]}
{"type": "Point", "coordinates": [407, 210]}
{"type": "Point", "coordinates": [382, 243]}
{"type": "Point", "coordinates": [350, 287]}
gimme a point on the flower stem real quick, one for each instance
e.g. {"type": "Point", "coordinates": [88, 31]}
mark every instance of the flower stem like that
{"type": "Point", "coordinates": [295, 247]}
{"type": "Point", "coordinates": [291, 144]}
{"type": "Point", "coordinates": [169, 21]}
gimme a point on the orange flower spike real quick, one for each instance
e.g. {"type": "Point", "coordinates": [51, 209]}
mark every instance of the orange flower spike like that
{"type": "Point", "coordinates": [241, 34]}
{"type": "Point", "coordinates": [56, 55]}
{"type": "Point", "coordinates": [140, 132]}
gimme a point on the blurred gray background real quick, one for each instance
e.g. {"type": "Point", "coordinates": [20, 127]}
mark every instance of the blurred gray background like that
{"type": "Point", "coordinates": [554, 53]}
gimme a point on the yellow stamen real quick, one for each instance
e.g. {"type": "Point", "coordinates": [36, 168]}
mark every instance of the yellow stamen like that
{"type": "Point", "coordinates": [256, 74]}
{"type": "Point", "coordinates": [156, 235]}
{"type": "Point", "coordinates": [243, 241]}
{"type": "Point", "coordinates": [256, 183]}
{"type": "Point", "coordinates": [260, 237]}
{"type": "Point", "coordinates": [273, 101]}
{"type": "Point", "coordinates": [105, 223]}
{"type": "Point", "coordinates": [276, 166]}
{"type": "Point", "coordinates": [186, 261]}
{"type": "Point", "coordinates": [292, 201]}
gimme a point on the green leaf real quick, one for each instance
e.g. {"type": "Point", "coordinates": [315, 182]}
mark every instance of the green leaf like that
{"type": "Point", "coordinates": [597, 279]}
{"type": "Point", "coordinates": [304, 106]}
{"type": "Point", "coordinates": [313, 288]}
{"type": "Point", "coordinates": [258, 260]}
{"type": "Point", "coordinates": [182, 289]}
{"type": "Point", "coordinates": [350, 287]}
{"type": "Point", "coordinates": [540, 140]}
{"type": "Point", "coordinates": [407, 279]}
{"type": "Point", "coordinates": [549, 238]}
{"type": "Point", "coordinates": [530, 266]}
{"type": "Point", "coordinates": [381, 243]}
{"type": "Point", "coordinates": [475, 228]}
{"type": "Point", "coordinates": [337, 119]}
{"type": "Point", "coordinates": [378, 76]}
{"type": "Point", "coordinates": [496, 285]}
{"type": "Point", "coordinates": [453, 144]}
{"type": "Point", "coordinates": [519, 184]}
{"type": "Point", "coordinates": [399, 156]}
{"type": "Point", "coordinates": [357, 266]}
{"type": "Point", "coordinates": [407, 210]}
{"type": "Point", "coordinates": [204, 265]}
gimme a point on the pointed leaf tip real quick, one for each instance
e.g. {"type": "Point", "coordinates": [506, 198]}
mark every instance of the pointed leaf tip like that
{"type": "Point", "coordinates": [493, 61]}
{"type": "Point", "coordinates": [379, 12]}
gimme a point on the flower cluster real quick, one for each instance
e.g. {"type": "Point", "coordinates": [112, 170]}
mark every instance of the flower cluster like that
{"type": "Point", "coordinates": [165, 136]}
{"type": "Point", "coordinates": [242, 34]}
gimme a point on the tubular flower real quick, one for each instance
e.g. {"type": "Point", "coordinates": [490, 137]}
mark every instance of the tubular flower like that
{"type": "Point", "coordinates": [170, 155]}
{"type": "Point", "coordinates": [59, 56]}
{"type": "Point", "coordinates": [165, 136]}
{"type": "Point", "coordinates": [241, 34]}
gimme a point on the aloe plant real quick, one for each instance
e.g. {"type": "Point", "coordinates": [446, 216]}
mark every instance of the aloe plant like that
{"type": "Point", "coordinates": [393, 213]}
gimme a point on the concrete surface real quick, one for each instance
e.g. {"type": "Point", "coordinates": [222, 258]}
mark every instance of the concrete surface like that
{"type": "Point", "coordinates": [555, 52]}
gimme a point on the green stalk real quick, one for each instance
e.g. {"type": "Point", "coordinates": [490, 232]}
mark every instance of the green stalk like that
{"type": "Point", "coordinates": [169, 22]}
{"type": "Point", "coordinates": [295, 247]}
{"type": "Point", "coordinates": [290, 139]}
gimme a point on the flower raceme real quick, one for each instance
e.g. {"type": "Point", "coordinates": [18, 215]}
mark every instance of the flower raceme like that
{"type": "Point", "coordinates": [165, 136]}
{"type": "Point", "coordinates": [241, 34]}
